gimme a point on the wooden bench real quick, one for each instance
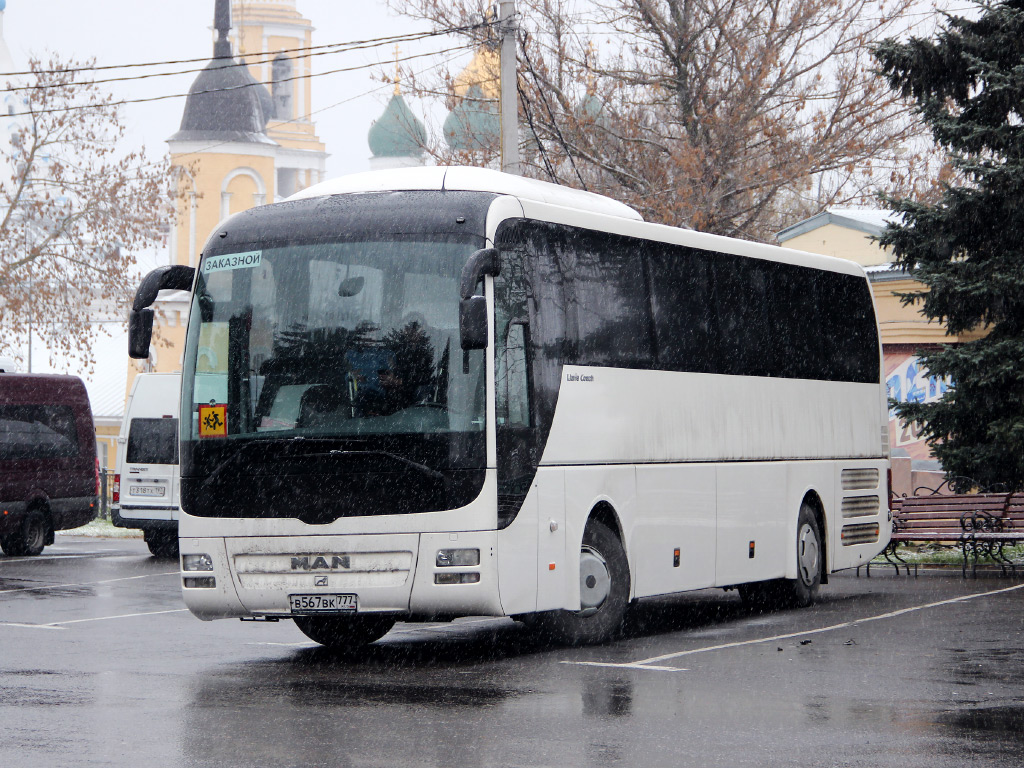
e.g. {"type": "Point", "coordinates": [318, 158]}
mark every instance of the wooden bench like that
{"type": "Point", "coordinates": [979, 524]}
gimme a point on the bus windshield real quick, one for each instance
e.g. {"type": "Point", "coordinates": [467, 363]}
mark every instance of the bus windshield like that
{"type": "Point", "coordinates": [348, 346]}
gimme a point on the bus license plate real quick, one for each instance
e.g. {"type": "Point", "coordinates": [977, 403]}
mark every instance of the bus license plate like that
{"type": "Point", "coordinates": [322, 603]}
{"type": "Point", "coordinates": [145, 490]}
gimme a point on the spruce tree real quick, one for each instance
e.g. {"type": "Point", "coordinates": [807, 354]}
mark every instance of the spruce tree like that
{"type": "Point", "coordinates": [968, 249]}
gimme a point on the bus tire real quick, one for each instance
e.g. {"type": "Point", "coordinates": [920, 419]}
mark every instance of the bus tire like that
{"type": "Point", "coordinates": [604, 592]}
{"type": "Point", "coordinates": [345, 632]}
{"type": "Point", "coordinates": [771, 595]}
{"type": "Point", "coordinates": [800, 592]}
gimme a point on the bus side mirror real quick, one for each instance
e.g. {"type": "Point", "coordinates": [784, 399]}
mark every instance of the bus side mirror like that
{"type": "Point", "coordinates": [140, 333]}
{"type": "Point", "coordinates": [473, 322]}
{"type": "Point", "coordinates": [473, 309]}
{"type": "Point", "coordinates": [172, 277]}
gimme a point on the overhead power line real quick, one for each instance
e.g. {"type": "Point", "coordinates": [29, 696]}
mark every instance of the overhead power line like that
{"type": "Point", "coordinates": [373, 42]}
{"type": "Point", "coordinates": [355, 68]}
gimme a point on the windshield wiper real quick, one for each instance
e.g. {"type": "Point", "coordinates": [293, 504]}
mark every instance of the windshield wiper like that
{"type": "Point", "coordinates": [422, 468]}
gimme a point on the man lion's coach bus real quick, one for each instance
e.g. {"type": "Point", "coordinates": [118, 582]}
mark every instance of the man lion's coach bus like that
{"type": "Point", "coordinates": [440, 392]}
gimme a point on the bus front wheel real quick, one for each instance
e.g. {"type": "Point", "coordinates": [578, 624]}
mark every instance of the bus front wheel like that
{"type": "Point", "coordinates": [345, 632]}
{"type": "Point", "coordinates": [604, 592]}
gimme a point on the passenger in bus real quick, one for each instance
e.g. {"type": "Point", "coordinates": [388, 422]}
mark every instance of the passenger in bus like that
{"type": "Point", "coordinates": [372, 375]}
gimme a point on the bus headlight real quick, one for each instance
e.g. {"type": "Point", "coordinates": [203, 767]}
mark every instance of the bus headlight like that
{"type": "Point", "coordinates": [196, 563]}
{"type": "Point", "coordinates": [447, 558]}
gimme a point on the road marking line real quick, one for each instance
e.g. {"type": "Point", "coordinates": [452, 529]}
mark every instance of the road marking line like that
{"type": "Point", "coordinates": [10, 560]}
{"type": "Point", "coordinates": [629, 665]}
{"type": "Point", "coordinates": [27, 626]}
{"type": "Point", "coordinates": [307, 644]}
{"type": "Point", "coordinates": [107, 618]}
{"type": "Point", "coordinates": [86, 583]}
{"type": "Point", "coordinates": [129, 578]}
{"type": "Point", "coordinates": [645, 663]}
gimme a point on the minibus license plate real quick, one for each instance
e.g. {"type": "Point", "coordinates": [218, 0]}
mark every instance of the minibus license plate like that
{"type": "Point", "coordinates": [145, 490]}
{"type": "Point", "coordinates": [322, 603]}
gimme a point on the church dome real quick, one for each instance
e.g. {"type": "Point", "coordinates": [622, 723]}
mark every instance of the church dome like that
{"type": "Point", "coordinates": [225, 103]}
{"type": "Point", "coordinates": [474, 124]}
{"type": "Point", "coordinates": [397, 132]}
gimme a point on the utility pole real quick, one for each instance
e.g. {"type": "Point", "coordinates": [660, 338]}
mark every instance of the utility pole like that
{"type": "Point", "coordinates": [509, 96]}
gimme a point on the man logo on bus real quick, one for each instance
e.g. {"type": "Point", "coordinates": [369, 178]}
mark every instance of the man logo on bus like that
{"type": "Point", "coordinates": [319, 563]}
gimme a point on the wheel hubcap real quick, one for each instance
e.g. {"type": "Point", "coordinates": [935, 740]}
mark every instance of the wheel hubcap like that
{"type": "Point", "coordinates": [595, 581]}
{"type": "Point", "coordinates": [807, 554]}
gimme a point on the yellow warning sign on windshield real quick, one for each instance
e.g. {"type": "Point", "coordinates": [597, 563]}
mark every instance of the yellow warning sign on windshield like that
{"type": "Point", "coordinates": [213, 421]}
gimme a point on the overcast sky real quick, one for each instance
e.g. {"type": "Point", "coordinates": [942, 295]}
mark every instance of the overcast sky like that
{"type": "Point", "coordinates": [129, 31]}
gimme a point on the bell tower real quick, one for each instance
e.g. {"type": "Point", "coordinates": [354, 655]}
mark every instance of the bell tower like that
{"type": "Point", "coordinates": [271, 37]}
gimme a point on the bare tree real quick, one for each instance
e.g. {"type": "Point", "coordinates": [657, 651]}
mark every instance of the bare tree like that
{"type": "Point", "coordinates": [731, 116]}
{"type": "Point", "coordinates": [74, 209]}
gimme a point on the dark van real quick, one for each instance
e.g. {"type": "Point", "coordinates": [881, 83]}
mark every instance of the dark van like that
{"type": "Point", "coordinates": [49, 474]}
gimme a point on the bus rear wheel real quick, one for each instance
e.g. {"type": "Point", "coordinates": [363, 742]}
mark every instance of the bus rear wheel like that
{"type": "Point", "coordinates": [801, 591]}
{"type": "Point", "coordinates": [345, 632]}
{"type": "Point", "coordinates": [604, 592]}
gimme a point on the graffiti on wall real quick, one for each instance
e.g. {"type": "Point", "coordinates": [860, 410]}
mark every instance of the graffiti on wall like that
{"type": "Point", "coordinates": [907, 381]}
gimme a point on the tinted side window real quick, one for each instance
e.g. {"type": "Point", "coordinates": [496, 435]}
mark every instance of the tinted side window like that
{"type": "Point", "coordinates": [601, 299]}
{"type": "Point", "coordinates": [745, 315]}
{"type": "Point", "coordinates": [848, 324]}
{"type": "Point", "coordinates": [152, 441]}
{"type": "Point", "coordinates": [683, 301]}
{"type": "Point", "coordinates": [612, 308]}
{"type": "Point", "coordinates": [795, 325]}
{"type": "Point", "coordinates": [37, 432]}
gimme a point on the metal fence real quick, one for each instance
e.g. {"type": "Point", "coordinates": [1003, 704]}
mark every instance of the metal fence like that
{"type": "Point", "coordinates": [106, 493]}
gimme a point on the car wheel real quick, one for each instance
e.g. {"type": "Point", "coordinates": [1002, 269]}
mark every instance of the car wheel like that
{"type": "Point", "coordinates": [604, 592]}
{"type": "Point", "coordinates": [345, 632]}
{"type": "Point", "coordinates": [32, 536]}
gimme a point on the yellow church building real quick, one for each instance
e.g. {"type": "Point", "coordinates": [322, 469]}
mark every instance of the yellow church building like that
{"type": "Point", "coordinates": [246, 138]}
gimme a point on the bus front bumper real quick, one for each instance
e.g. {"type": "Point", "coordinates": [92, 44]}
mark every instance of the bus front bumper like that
{"type": "Point", "coordinates": [421, 575]}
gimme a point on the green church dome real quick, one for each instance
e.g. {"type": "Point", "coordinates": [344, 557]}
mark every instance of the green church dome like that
{"type": "Point", "coordinates": [397, 132]}
{"type": "Point", "coordinates": [591, 110]}
{"type": "Point", "coordinates": [474, 124]}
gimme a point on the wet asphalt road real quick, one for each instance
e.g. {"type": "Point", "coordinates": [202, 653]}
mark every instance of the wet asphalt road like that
{"type": "Point", "coordinates": [100, 665]}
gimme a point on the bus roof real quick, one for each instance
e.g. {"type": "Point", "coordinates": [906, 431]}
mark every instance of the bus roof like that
{"type": "Point", "coordinates": [465, 178]}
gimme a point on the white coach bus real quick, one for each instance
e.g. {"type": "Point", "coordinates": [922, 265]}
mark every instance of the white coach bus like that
{"type": "Point", "coordinates": [440, 392]}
